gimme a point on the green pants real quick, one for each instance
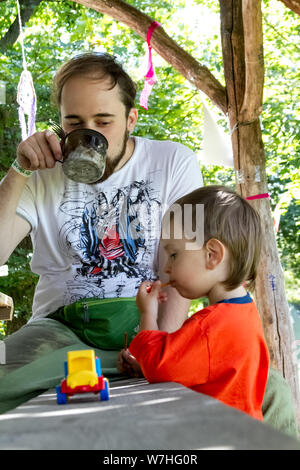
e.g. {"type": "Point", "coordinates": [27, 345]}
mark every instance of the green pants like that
{"type": "Point", "coordinates": [35, 357]}
{"type": "Point", "coordinates": [278, 407]}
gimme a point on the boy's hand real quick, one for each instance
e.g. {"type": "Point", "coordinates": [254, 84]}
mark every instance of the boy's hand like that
{"type": "Point", "coordinates": [128, 365]}
{"type": "Point", "coordinates": [148, 300]}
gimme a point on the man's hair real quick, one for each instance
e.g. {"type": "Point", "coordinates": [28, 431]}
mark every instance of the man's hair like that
{"type": "Point", "coordinates": [96, 66]}
{"type": "Point", "coordinates": [233, 221]}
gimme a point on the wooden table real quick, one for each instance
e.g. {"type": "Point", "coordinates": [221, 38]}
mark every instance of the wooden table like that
{"type": "Point", "coordinates": [138, 416]}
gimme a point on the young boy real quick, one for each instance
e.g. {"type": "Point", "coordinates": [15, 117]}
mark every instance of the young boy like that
{"type": "Point", "coordinates": [220, 350]}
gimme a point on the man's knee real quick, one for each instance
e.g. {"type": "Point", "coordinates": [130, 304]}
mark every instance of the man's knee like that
{"type": "Point", "coordinates": [278, 405]}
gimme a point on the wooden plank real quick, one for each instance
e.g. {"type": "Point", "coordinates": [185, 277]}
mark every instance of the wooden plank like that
{"type": "Point", "coordinates": [6, 307]}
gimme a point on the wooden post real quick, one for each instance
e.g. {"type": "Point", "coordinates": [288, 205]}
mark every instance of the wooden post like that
{"type": "Point", "coordinates": [242, 45]}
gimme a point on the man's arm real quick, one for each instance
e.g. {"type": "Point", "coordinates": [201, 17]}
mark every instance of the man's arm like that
{"type": "Point", "coordinates": [39, 151]}
{"type": "Point", "coordinates": [13, 228]}
{"type": "Point", "coordinates": [172, 313]}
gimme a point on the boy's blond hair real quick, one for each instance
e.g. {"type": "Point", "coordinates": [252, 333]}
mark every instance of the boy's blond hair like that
{"type": "Point", "coordinates": [233, 221]}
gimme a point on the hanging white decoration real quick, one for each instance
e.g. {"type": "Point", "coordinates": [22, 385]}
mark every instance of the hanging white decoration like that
{"type": "Point", "coordinates": [26, 97]}
{"type": "Point", "coordinates": [217, 148]}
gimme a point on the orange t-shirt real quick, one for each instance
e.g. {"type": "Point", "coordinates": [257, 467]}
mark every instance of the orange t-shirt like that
{"type": "Point", "coordinates": [220, 351]}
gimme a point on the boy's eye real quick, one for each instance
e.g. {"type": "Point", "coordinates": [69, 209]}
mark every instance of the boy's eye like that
{"type": "Point", "coordinates": [173, 256]}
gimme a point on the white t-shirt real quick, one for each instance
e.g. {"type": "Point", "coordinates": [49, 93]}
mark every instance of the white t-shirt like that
{"type": "Point", "coordinates": [102, 240]}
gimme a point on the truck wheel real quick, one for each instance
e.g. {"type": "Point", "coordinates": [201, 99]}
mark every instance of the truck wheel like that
{"type": "Point", "coordinates": [104, 394]}
{"type": "Point", "coordinates": [61, 397]}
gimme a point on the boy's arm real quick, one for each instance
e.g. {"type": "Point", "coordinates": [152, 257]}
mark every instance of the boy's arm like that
{"type": "Point", "coordinates": [168, 357]}
{"type": "Point", "coordinates": [174, 357]}
{"type": "Point", "coordinates": [147, 303]}
{"type": "Point", "coordinates": [173, 313]}
{"type": "Point", "coordinates": [148, 322]}
{"type": "Point", "coordinates": [149, 307]}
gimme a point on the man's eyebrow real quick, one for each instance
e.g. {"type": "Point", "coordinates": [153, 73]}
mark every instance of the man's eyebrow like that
{"type": "Point", "coordinates": [75, 116]}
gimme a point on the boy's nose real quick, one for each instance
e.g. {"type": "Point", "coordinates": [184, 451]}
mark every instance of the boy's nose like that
{"type": "Point", "coordinates": [167, 269]}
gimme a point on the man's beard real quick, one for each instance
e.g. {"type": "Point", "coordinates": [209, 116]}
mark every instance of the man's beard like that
{"type": "Point", "coordinates": [112, 164]}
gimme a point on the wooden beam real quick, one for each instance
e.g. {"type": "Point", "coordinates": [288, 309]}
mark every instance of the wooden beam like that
{"type": "Point", "coordinates": [239, 33]}
{"type": "Point", "coordinates": [182, 61]}
{"type": "Point", "coordinates": [254, 61]}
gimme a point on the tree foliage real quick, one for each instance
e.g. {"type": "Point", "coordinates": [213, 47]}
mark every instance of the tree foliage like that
{"type": "Point", "coordinates": [57, 30]}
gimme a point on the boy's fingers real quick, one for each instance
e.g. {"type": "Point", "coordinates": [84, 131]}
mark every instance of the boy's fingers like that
{"type": "Point", "coordinates": [124, 356]}
{"type": "Point", "coordinates": [156, 286]}
{"type": "Point", "coordinates": [162, 298]}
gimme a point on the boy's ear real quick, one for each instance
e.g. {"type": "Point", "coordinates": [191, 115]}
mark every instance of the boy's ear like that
{"type": "Point", "coordinates": [215, 252]}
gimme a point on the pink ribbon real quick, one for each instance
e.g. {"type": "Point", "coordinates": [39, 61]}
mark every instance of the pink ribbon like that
{"type": "Point", "coordinates": [150, 77]}
{"type": "Point", "coordinates": [258, 196]}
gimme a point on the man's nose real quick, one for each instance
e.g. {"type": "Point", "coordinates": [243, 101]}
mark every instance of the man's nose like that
{"type": "Point", "coordinates": [90, 125]}
{"type": "Point", "coordinates": [87, 123]}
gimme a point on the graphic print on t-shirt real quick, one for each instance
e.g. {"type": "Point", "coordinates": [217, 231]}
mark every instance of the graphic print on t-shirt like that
{"type": "Point", "coordinates": [111, 238]}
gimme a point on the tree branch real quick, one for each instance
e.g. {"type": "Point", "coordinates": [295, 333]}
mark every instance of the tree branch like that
{"type": "Point", "coordinates": [166, 47]}
{"type": "Point", "coordinates": [293, 5]}
{"type": "Point", "coordinates": [27, 8]}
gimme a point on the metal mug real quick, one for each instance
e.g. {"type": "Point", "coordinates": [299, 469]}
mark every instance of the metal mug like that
{"type": "Point", "coordinates": [84, 155]}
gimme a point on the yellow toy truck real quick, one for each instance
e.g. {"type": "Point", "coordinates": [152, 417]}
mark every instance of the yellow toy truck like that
{"type": "Point", "coordinates": [82, 375]}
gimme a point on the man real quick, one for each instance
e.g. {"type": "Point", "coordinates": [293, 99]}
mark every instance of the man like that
{"type": "Point", "coordinates": [95, 241]}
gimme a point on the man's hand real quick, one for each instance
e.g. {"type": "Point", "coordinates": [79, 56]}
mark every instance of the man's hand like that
{"type": "Point", "coordinates": [39, 151]}
{"type": "Point", "coordinates": [128, 365]}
